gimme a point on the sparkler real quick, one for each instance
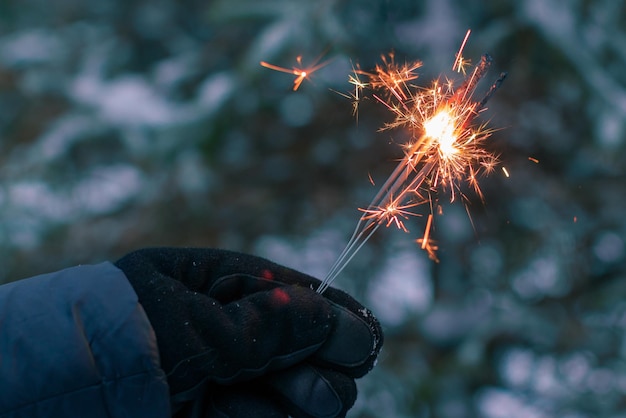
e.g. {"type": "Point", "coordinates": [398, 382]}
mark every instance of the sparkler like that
{"type": "Point", "coordinates": [445, 149]}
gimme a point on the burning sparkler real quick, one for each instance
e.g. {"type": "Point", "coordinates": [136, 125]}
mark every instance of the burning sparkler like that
{"type": "Point", "coordinates": [445, 150]}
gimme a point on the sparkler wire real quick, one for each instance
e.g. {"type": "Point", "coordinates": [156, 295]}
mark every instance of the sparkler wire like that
{"type": "Point", "coordinates": [366, 226]}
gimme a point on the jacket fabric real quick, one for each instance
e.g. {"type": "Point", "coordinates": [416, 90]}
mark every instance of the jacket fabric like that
{"type": "Point", "coordinates": [76, 343]}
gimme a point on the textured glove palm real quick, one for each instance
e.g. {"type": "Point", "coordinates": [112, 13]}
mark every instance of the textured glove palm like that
{"type": "Point", "coordinates": [241, 336]}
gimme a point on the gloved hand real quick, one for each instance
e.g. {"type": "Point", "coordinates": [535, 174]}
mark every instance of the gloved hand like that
{"type": "Point", "coordinates": [240, 336]}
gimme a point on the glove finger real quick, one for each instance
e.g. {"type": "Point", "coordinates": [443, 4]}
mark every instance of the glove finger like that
{"type": "Point", "coordinates": [356, 339]}
{"type": "Point", "coordinates": [306, 391]}
{"type": "Point", "coordinates": [241, 340]}
{"type": "Point", "coordinates": [237, 401]}
{"type": "Point", "coordinates": [236, 286]}
{"type": "Point", "coordinates": [243, 402]}
{"type": "Point", "coordinates": [354, 345]}
{"type": "Point", "coordinates": [198, 268]}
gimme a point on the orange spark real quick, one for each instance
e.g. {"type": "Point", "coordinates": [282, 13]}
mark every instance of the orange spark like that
{"type": "Point", "coordinates": [356, 97]}
{"type": "Point", "coordinates": [391, 214]}
{"type": "Point", "coordinates": [299, 71]}
{"type": "Point", "coordinates": [359, 85]}
{"type": "Point", "coordinates": [427, 231]}
{"type": "Point", "coordinates": [534, 160]}
{"type": "Point", "coordinates": [460, 63]}
{"type": "Point", "coordinates": [426, 243]}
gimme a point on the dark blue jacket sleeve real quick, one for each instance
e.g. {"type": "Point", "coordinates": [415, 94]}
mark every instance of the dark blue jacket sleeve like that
{"type": "Point", "coordinates": [76, 343]}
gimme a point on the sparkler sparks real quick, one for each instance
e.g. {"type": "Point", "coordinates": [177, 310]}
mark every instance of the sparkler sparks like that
{"type": "Point", "coordinates": [299, 71]}
{"type": "Point", "coordinates": [445, 150]}
{"type": "Point", "coordinates": [391, 213]}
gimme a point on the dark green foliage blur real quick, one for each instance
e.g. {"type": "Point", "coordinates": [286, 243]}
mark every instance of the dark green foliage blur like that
{"type": "Point", "coordinates": [126, 124]}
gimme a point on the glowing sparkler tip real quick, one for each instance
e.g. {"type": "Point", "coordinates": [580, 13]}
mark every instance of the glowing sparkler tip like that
{"type": "Point", "coordinates": [441, 128]}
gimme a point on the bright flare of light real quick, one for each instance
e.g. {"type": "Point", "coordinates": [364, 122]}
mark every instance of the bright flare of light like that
{"type": "Point", "coordinates": [442, 129]}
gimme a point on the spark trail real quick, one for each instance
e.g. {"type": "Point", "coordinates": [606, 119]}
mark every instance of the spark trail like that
{"type": "Point", "coordinates": [300, 71]}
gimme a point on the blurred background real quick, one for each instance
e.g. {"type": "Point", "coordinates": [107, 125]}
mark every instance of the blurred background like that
{"type": "Point", "coordinates": [134, 123]}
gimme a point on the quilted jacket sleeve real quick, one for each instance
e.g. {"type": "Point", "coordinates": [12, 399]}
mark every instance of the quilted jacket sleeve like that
{"type": "Point", "coordinates": [76, 343]}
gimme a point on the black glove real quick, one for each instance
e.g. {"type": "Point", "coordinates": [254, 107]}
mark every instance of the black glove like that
{"type": "Point", "coordinates": [224, 318]}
